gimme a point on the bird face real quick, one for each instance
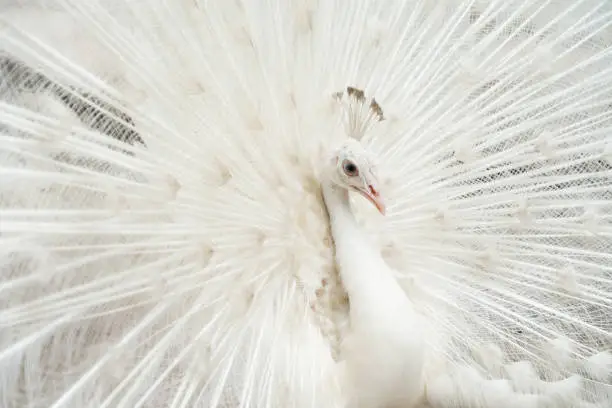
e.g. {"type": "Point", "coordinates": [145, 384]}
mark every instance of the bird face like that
{"type": "Point", "coordinates": [356, 171]}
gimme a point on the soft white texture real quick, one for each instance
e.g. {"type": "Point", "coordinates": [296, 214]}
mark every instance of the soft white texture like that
{"type": "Point", "coordinates": [199, 271]}
{"type": "Point", "coordinates": [382, 353]}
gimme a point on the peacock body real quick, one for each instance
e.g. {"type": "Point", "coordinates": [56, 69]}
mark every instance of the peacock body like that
{"type": "Point", "coordinates": [164, 241]}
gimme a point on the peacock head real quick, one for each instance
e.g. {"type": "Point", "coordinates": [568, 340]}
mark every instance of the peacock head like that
{"type": "Point", "coordinates": [353, 168]}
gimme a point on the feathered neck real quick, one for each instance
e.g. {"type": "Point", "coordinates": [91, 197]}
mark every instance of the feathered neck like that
{"type": "Point", "coordinates": [341, 215]}
{"type": "Point", "coordinates": [361, 266]}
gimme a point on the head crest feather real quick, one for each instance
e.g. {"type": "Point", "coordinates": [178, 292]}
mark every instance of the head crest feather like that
{"type": "Point", "coordinates": [360, 113]}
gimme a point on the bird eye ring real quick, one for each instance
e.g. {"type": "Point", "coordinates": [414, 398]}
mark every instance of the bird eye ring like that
{"type": "Point", "coordinates": [350, 168]}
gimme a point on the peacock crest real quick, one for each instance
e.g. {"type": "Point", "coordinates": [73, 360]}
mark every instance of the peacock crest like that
{"type": "Point", "coordinates": [359, 113]}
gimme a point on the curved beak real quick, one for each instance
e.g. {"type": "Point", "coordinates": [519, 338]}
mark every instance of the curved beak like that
{"type": "Point", "coordinates": [373, 195]}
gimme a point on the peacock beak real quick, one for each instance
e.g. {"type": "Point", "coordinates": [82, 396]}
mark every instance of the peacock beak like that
{"type": "Point", "coordinates": [373, 196]}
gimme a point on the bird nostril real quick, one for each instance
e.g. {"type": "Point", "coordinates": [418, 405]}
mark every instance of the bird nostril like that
{"type": "Point", "coordinates": [373, 191]}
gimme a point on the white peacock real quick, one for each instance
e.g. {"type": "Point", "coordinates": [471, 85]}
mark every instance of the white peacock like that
{"type": "Point", "coordinates": [165, 240]}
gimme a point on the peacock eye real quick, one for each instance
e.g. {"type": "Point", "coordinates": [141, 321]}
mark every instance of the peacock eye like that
{"type": "Point", "coordinates": [350, 168]}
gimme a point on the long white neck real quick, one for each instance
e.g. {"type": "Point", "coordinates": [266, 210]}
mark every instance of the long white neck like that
{"type": "Point", "coordinates": [341, 215]}
{"type": "Point", "coordinates": [361, 267]}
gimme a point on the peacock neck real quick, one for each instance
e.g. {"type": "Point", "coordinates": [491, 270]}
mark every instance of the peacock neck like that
{"type": "Point", "coordinates": [341, 217]}
{"type": "Point", "coordinates": [361, 266]}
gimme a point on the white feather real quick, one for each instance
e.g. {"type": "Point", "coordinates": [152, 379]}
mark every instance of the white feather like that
{"type": "Point", "coordinates": [383, 351]}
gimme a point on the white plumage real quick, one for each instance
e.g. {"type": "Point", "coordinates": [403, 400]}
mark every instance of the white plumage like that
{"type": "Point", "coordinates": [164, 241]}
{"type": "Point", "coordinates": [382, 353]}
